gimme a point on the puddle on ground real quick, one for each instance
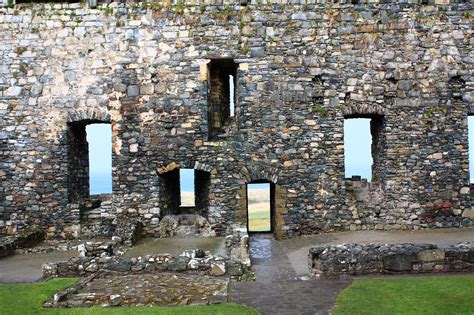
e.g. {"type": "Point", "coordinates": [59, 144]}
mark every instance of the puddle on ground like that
{"type": "Point", "coordinates": [176, 245]}
{"type": "Point", "coordinates": [27, 267]}
{"type": "Point", "coordinates": [260, 247]}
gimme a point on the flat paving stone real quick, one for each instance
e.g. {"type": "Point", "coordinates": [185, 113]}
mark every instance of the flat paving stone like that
{"type": "Point", "coordinates": [288, 297]}
{"type": "Point", "coordinates": [154, 289]}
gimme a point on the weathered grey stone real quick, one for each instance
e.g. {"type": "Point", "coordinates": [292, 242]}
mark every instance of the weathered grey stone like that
{"type": "Point", "coordinates": [154, 82]}
{"type": "Point", "coordinates": [357, 259]}
{"type": "Point", "coordinates": [218, 268]}
{"type": "Point", "coordinates": [399, 262]}
{"type": "Point", "coordinates": [257, 51]}
{"type": "Point", "coordinates": [431, 255]}
{"type": "Point", "coordinates": [179, 263]}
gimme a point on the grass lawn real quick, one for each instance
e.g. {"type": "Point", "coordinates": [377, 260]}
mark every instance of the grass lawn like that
{"type": "Point", "coordinates": [408, 295]}
{"type": "Point", "coordinates": [28, 298]}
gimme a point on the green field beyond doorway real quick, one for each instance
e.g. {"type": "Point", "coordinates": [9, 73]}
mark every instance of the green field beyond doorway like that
{"type": "Point", "coordinates": [259, 207]}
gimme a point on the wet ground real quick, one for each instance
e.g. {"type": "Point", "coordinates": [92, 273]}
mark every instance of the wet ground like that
{"type": "Point", "coordinates": [279, 288]}
{"type": "Point", "coordinates": [281, 268]}
{"type": "Point", "coordinates": [155, 289]}
{"type": "Point", "coordinates": [176, 245]}
{"type": "Point", "coordinates": [27, 267]}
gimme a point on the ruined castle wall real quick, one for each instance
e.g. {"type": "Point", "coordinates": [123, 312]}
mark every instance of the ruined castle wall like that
{"type": "Point", "coordinates": [301, 70]}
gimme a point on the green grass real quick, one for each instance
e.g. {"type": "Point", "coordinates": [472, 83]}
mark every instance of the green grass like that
{"type": "Point", "coordinates": [28, 299]}
{"type": "Point", "coordinates": [408, 295]}
{"type": "Point", "coordinates": [259, 221]}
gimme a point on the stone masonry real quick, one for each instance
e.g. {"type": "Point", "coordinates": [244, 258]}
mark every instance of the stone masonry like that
{"type": "Point", "coordinates": [357, 259]}
{"type": "Point", "coordinates": [157, 71]}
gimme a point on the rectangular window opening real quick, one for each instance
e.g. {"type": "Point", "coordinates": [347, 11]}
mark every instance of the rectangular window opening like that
{"type": "Point", "coordinates": [99, 138]}
{"type": "Point", "coordinates": [185, 191]}
{"type": "Point", "coordinates": [232, 98]}
{"type": "Point", "coordinates": [222, 91]}
{"type": "Point", "coordinates": [470, 129]}
{"type": "Point", "coordinates": [259, 207]}
{"type": "Point", "coordinates": [187, 188]}
{"type": "Point", "coordinates": [89, 159]}
{"type": "Point", "coordinates": [362, 147]}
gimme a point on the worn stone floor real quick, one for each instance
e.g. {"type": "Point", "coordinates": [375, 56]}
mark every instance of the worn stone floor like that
{"type": "Point", "coordinates": [279, 288]}
{"type": "Point", "coordinates": [280, 267]}
{"type": "Point", "coordinates": [155, 289]}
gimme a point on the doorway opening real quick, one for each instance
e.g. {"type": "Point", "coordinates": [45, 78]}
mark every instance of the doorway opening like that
{"type": "Point", "coordinates": [260, 207]}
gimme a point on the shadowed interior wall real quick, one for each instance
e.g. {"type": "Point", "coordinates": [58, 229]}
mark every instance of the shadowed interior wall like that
{"type": "Point", "coordinates": [219, 94]}
{"type": "Point", "coordinates": [378, 145]}
{"type": "Point", "coordinates": [78, 161]}
{"type": "Point", "coordinates": [169, 193]}
{"type": "Point", "coordinates": [202, 185]}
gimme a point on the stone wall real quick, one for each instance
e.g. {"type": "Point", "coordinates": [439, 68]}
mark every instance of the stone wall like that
{"type": "Point", "coordinates": [365, 201]}
{"type": "Point", "coordinates": [301, 69]}
{"type": "Point", "coordinates": [356, 259]}
{"type": "Point", "coordinates": [23, 239]}
{"type": "Point", "coordinates": [189, 261]}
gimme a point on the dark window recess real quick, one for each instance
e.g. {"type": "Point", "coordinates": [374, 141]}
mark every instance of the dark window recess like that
{"type": "Point", "coordinates": [173, 198]}
{"type": "Point", "coordinates": [376, 127]}
{"type": "Point", "coordinates": [78, 160]}
{"type": "Point", "coordinates": [456, 87]}
{"type": "Point", "coordinates": [222, 91]}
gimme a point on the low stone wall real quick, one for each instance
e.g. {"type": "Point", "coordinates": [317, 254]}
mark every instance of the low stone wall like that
{"type": "Point", "coordinates": [356, 259]}
{"type": "Point", "coordinates": [192, 260]}
{"type": "Point", "coordinates": [9, 244]}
